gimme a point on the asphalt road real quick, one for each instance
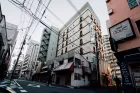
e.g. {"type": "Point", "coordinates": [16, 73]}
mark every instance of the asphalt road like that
{"type": "Point", "coordinates": [33, 87]}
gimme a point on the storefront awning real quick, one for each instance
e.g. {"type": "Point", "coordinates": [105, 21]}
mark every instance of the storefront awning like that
{"type": "Point", "coordinates": [68, 66]}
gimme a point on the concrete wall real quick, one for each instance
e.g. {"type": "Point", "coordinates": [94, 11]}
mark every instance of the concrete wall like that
{"type": "Point", "coordinates": [52, 48]}
{"type": "Point", "coordinates": [122, 11]}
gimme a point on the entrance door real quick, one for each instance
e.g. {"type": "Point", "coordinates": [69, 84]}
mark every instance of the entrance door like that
{"type": "Point", "coordinates": [57, 80]}
{"type": "Point", "coordinates": [68, 79]}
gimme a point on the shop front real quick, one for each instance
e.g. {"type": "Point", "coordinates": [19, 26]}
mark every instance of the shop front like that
{"type": "Point", "coordinates": [129, 62]}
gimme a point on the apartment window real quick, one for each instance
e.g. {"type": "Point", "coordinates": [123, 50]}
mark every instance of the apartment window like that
{"type": "Point", "coordinates": [66, 49]}
{"type": "Point", "coordinates": [91, 17]}
{"type": "Point", "coordinates": [62, 52]}
{"type": "Point", "coordinates": [77, 76]}
{"type": "Point", "coordinates": [81, 26]}
{"type": "Point", "coordinates": [133, 3]}
{"type": "Point", "coordinates": [62, 45]}
{"type": "Point", "coordinates": [81, 51]}
{"type": "Point", "coordinates": [63, 39]}
{"type": "Point", "coordinates": [66, 43]}
{"type": "Point", "coordinates": [77, 62]}
{"type": "Point", "coordinates": [67, 36]}
{"type": "Point", "coordinates": [81, 42]}
{"type": "Point", "coordinates": [81, 33]}
{"type": "Point", "coordinates": [80, 19]}
{"type": "Point", "coordinates": [67, 30]}
{"type": "Point", "coordinates": [138, 24]}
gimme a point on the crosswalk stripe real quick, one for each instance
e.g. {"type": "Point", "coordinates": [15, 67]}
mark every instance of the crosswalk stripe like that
{"type": "Point", "coordinates": [23, 91]}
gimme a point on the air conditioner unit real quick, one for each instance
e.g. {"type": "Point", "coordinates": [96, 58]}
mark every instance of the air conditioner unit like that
{"type": "Point", "coordinates": [110, 11]}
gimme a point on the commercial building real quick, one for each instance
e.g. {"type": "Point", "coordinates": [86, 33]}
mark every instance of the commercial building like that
{"type": "Point", "coordinates": [125, 40]}
{"type": "Point", "coordinates": [48, 46]}
{"type": "Point", "coordinates": [76, 62]}
{"type": "Point", "coordinates": [30, 60]}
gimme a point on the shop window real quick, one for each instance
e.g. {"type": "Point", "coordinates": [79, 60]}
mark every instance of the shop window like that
{"type": "Point", "coordinates": [81, 33]}
{"type": "Point", "coordinates": [81, 51]}
{"type": "Point", "coordinates": [138, 24]}
{"type": "Point", "coordinates": [81, 42]}
{"type": "Point", "coordinates": [77, 76]}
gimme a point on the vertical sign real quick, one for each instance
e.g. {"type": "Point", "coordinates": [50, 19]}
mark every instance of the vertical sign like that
{"type": "Point", "coordinates": [126, 79]}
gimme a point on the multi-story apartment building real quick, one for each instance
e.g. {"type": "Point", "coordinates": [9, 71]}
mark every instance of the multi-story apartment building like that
{"type": "Point", "coordinates": [125, 40]}
{"type": "Point", "coordinates": [48, 46]}
{"type": "Point", "coordinates": [75, 64]}
{"type": "Point", "coordinates": [110, 58]}
{"type": "Point", "coordinates": [30, 60]}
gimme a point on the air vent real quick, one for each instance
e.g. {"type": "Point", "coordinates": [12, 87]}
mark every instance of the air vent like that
{"type": "Point", "coordinates": [110, 11]}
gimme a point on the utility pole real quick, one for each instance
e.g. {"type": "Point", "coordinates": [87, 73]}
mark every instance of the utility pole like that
{"type": "Point", "coordinates": [17, 59]}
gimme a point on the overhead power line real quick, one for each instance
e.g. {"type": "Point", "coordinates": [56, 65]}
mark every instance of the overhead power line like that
{"type": "Point", "coordinates": [40, 18]}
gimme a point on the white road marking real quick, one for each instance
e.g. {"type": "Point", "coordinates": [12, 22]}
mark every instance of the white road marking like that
{"type": "Point", "coordinates": [23, 91]}
{"type": "Point", "coordinates": [17, 83]}
{"type": "Point", "coordinates": [20, 87]}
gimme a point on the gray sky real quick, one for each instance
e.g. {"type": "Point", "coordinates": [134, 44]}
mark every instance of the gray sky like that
{"type": "Point", "coordinates": [60, 7]}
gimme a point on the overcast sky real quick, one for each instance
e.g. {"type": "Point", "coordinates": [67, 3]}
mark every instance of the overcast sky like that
{"type": "Point", "coordinates": [59, 7]}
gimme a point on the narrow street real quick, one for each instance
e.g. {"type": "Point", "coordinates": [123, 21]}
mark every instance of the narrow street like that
{"type": "Point", "coordinates": [33, 87]}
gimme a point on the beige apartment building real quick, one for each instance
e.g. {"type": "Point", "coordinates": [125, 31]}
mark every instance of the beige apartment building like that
{"type": "Point", "coordinates": [76, 63]}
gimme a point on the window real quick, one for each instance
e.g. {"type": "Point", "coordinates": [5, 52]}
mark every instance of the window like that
{"type": "Point", "coordinates": [107, 1]}
{"type": "Point", "coordinates": [67, 36]}
{"type": "Point", "coordinates": [80, 19]}
{"type": "Point", "coordinates": [66, 49]}
{"type": "Point", "coordinates": [91, 17]}
{"type": "Point", "coordinates": [66, 43]}
{"type": "Point", "coordinates": [81, 51]}
{"type": "Point", "coordinates": [62, 45]}
{"type": "Point", "coordinates": [81, 42]}
{"type": "Point", "coordinates": [81, 26]}
{"type": "Point", "coordinates": [77, 62]}
{"type": "Point", "coordinates": [67, 30]}
{"type": "Point", "coordinates": [133, 3]}
{"type": "Point", "coordinates": [138, 24]}
{"type": "Point", "coordinates": [77, 76]}
{"type": "Point", "coordinates": [86, 57]}
{"type": "Point", "coordinates": [62, 52]}
{"type": "Point", "coordinates": [81, 33]}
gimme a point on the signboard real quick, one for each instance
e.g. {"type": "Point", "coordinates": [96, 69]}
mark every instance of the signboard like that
{"type": "Point", "coordinates": [121, 31]}
{"type": "Point", "coordinates": [126, 79]}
